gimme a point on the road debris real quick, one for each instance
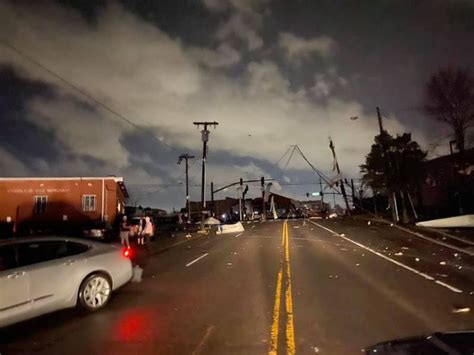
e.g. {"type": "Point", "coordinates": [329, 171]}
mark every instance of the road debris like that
{"type": "Point", "coordinates": [315, 349]}
{"type": "Point", "coordinates": [229, 264]}
{"type": "Point", "coordinates": [333, 276]}
{"type": "Point", "coordinates": [398, 253]}
{"type": "Point", "coordinates": [442, 262]}
{"type": "Point", "coordinates": [296, 227]}
{"type": "Point", "coordinates": [417, 259]}
{"type": "Point", "coordinates": [342, 235]}
{"type": "Point", "coordinates": [368, 223]}
{"type": "Point", "coordinates": [357, 264]}
{"type": "Point", "coordinates": [137, 273]}
{"type": "Point", "coordinates": [188, 236]}
{"type": "Point", "coordinates": [405, 248]}
{"type": "Point", "coordinates": [441, 275]}
{"type": "Point", "coordinates": [459, 267]}
{"type": "Point", "coordinates": [391, 224]}
{"type": "Point", "coordinates": [343, 249]}
{"type": "Point", "coordinates": [460, 309]}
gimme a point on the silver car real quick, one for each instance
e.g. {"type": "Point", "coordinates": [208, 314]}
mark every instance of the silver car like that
{"type": "Point", "coordinates": [42, 275]}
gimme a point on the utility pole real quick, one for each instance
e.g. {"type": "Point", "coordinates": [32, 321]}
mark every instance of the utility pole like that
{"type": "Point", "coordinates": [205, 138]}
{"type": "Point", "coordinates": [379, 116]}
{"type": "Point", "coordinates": [353, 192]}
{"type": "Point", "coordinates": [343, 189]}
{"type": "Point", "coordinates": [186, 157]}
{"type": "Point", "coordinates": [241, 192]}
{"type": "Point", "coordinates": [264, 214]}
{"type": "Point", "coordinates": [321, 193]}
{"type": "Point", "coordinates": [213, 212]}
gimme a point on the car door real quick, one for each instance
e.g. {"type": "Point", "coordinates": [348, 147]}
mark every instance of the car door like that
{"type": "Point", "coordinates": [14, 295]}
{"type": "Point", "coordinates": [50, 271]}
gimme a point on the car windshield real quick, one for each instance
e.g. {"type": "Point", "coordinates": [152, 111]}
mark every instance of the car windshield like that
{"type": "Point", "coordinates": [236, 176]}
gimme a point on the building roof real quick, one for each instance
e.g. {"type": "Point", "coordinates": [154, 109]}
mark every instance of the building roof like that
{"type": "Point", "coordinates": [117, 179]}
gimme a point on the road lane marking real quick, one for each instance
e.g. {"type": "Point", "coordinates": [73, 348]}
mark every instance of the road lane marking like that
{"type": "Point", "coordinates": [290, 329]}
{"type": "Point", "coordinates": [197, 259]}
{"type": "Point", "coordinates": [422, 274]}
{"type": "Point", "coordinates": [204, 340]}
{"type": "Point", "coordinates": [276, 316]}
{"type": "Point", "coordinates": [289, 325]}
{"type": "Point", "coordinates": [454, 289]}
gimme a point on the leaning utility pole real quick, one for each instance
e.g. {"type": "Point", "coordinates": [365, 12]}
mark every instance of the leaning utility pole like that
{"type": "Point", "coordinates": [205, 138]}
{"type": "Point", "coordinates": [343, 189]}
{"type": "Point", "coordinates": [186, 157]}
{"type": "Point", "coordinates": [379, 116]}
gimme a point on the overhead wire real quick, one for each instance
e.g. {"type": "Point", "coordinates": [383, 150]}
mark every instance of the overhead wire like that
{"type": "Point", "coordinates": [82, 92]}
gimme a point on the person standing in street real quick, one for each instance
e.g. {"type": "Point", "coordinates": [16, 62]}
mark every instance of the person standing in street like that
{"type": "Point", "coordinates": [125, 232]}
{"type": "Point", "coordinates": [148, 231]}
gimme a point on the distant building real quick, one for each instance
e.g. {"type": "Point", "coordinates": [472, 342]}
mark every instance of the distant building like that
{"type": "Point", "coordinates": [314, 206]}
{"type": "Point", "coordinates": [447, 186]}
{"type": "Point", "coordinates": [48, 202]}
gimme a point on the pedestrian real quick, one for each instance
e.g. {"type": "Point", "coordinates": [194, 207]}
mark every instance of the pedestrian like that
{"type": "Point", "coordinates": [125, 232]}
{"type": "Point", "coordinates": [148, 231]}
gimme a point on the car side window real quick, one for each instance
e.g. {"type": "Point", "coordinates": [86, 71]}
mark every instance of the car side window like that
{"type": "Point", "coordinates": [7, 258]}
{"type": "Point", "coordinates": [74, 248]}
{"type": "Point", "coordinates": [40, 251]}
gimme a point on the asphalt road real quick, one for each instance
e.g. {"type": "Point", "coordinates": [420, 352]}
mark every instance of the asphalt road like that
{"type": "Point", "coordinates": [281, 287]}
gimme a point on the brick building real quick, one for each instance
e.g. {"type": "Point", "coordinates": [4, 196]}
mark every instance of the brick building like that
{"type": "Point", "coordinates": [49, 202]}
{"type": "Point", "coordinates": [447, 186]}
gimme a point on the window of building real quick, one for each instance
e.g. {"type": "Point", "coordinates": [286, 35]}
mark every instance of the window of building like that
{"type": "Point", "coordinates": [41, 204]}
{"type": "Point", "coordinates": [88, 203]}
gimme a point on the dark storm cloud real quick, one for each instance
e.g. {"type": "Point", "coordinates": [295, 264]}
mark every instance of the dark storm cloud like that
{"type": "Point", "coordinates": [20, 136]}
{"type": "Point", "coordinates": [272, 73]}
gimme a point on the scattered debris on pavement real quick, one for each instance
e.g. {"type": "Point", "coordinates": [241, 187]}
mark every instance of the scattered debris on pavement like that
{"type": "Point", "coordinates": [137, 273]}
{"type": "Point", "coordinates": [460, 309]}
{"type": "Point", "coordinates": [442, 262]}
{"type": "Point", "coordinates": [417, 259]}
{"type": "Point", "coordinates": [398, 253]}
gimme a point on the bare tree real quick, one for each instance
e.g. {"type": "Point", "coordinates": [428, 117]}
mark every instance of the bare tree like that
{"type": "Point", "coordinates": [450, 99]}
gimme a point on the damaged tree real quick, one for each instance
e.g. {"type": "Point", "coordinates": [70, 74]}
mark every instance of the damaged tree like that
{"type": "Point", "coordinates": [450, 99]}
{"type": "Point", "coordinates": [393, 167]}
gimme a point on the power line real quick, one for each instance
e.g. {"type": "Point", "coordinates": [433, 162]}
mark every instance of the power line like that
{"type": "Point", "coordinates": [78, 89]}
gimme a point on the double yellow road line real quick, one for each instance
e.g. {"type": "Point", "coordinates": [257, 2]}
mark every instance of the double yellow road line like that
{"type": "Point", "coordinates": [283, 280]}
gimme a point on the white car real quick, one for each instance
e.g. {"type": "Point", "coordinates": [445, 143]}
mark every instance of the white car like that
{"type": "Point", "coordinates": [45, 274]}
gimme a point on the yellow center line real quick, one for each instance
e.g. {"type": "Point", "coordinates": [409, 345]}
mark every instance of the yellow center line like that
{"type": "Point", "coordinates": [290, 329]}
{"type": "Point", "coordinates": [276, 317]}
{"type": "Point", "coordinates": [289, 326]}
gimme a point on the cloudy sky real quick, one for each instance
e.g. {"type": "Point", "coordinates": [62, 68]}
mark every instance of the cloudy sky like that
{"type": "Point", "coordinates": [272, 73]}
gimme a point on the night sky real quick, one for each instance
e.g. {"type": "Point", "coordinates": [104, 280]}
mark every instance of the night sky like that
{"type": "Point", "coordinates": [272, 73]}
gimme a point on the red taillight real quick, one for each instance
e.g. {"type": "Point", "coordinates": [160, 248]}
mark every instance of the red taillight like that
{"type": "Point", "coordinates": [127, 253]}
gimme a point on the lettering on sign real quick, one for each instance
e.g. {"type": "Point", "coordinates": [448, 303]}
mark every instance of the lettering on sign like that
{"type": "Point", "coordinates": [38, 191]}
